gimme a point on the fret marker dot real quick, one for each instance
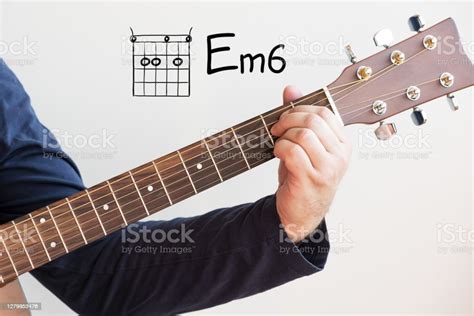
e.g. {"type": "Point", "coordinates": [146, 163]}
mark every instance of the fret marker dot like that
{"type": "Point", "coordinates": [53, 244]}
{"type": "Point", "coordinates": [42, 220]}
{"type": "Point", "coordinates": [150, 188]}
{"type": "Point", "coordinates": [106, 207]}
{"type": "Point", "coordinates": [199, 166]}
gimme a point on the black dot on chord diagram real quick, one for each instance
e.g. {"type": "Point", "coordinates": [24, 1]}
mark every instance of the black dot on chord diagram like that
{"type": "Point", "coordinates": [178, 61]}
{"type": "Point", "coordinates": [145, 61]}
{"type": "Point", "coordinates": [167, 38]}
{"type": "Point", "coordinates": [133, 38]}
{"type": "Point", "coordinates": [188, 38]}
{"type": "Point", "coordinates": [156, 61]}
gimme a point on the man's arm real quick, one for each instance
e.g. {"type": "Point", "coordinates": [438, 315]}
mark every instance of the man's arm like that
{"type": "Point", "coordinates": [230, 253]}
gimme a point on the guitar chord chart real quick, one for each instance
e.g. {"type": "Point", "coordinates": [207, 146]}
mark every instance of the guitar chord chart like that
{"type": "Point", "coordinates": [161, 65]}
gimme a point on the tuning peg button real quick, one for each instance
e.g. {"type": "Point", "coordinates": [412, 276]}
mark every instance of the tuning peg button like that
{"type": "Point", "coordinates": [452, 102]}
{"type": "Point", "coordinates": [416, 23]}
{"type": "Point", "coordinates": [385, 131]}
{"type": "Point", "coordinates": [418, 117]}
{"type": "Point", "coordinates": [383, 38]}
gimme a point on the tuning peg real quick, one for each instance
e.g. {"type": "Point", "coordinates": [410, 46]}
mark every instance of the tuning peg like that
{"type": "Point", "coordinates": [350, 54]}
{"type": "Point", "coordinates": [418, 116]}
{"type": "Point", "coordinates": [385, 131]}
{"type": "Point", "coordinates": [416, 23]}
{"type": "Point", "coordinates": [452, 102]}
{"type": "Point", "coordinates": [383, 38]}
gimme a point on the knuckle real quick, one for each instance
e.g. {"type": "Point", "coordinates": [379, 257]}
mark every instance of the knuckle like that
{"type": "Point", "coordinates": [311, 120]}
{"type": "Point", "coordinates": [293, 152]}
{"type": "Point", "coordinates": [303, 135]}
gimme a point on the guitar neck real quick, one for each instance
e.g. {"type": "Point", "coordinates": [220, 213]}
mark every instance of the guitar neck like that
{"type": "Point", "coordinates": [68, 224]}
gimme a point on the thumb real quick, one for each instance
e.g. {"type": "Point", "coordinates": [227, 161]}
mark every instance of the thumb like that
{"type": "Point", "coordinates": [291, 93]}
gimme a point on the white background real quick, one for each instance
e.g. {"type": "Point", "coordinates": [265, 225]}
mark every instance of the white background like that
{"type": "Point", "coordinates": [78, 75]}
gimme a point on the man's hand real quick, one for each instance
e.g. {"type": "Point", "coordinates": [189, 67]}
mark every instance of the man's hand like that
{"type": "Point", "coordinates": [314, 154]}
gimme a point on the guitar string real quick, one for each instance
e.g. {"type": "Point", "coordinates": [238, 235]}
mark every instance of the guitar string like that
{"type": "Point", "coordinates": [220, 135]}
{"type": "Point", "coordinates": [386, 99]}
{"type": "Point", "coordinates": [388, 70]}
{"type": "Point", "coordinates": [141, 188]}
{"type": "Point", "coordinates": [204, 187]}
{"type": "Point", "coordinates": [216, 136]}
{"type": "Point", "coordinates": [163, 196]}
{"type": "Point", "coordinates": [356, 82]}
{"type": "Point", "coordinates": [46, 239]}
{"type": "Point", "coordinates": [154, 182]}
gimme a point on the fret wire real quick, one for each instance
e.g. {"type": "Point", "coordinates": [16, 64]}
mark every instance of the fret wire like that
{"type": "Point", "coordinates": [272, 112]}
{"type": "Point", "coordinates": [161, 180]}
{"type": "Point", "coordinates": [212, 183]}
{"type": "Point", "coordinates": [241, 150]}
{"type": "Point", "coordinates": [291, 104]}
{"type": "Point", "coordinates": [23, 244]}
{"type": "Point", "coordinates": [96, 213]}
{"type": "Point", "coordinates": [162, 183]}
{"type": "Point", "coordinates": [116, 202]}
{"type": "Point", "coordinates": [208, 185]}
{"type": "Point", "coordinates": [9, 256]}
{"type": "Point", "coordinates": [187, 149]}
{"type": "Point", "coordinates": [57, 228]}
{"type": "Point", "coordinates": [187, 172]}
{"type": "Point", "coordinates": [77, 222]}
{"type": "Point", "coordinates": [213, 161]}
{"type": "Point", "coordinates": [179, 180]}
{"type": "Point", "coordinates": [268, 131]}
{"type": "Point", "coordinates": [41, 238]}
{"type": "Point", "coordinates": [139, 194]}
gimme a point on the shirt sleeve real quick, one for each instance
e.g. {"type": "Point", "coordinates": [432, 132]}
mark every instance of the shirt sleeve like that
{"type": "Point", "coordinates": [153, 267]}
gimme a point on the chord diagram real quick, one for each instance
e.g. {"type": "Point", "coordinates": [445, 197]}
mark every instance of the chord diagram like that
{"type": "Point", "coordinates": [161, 65]}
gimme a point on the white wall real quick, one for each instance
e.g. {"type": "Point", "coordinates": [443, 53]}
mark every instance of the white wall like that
{"type": "Point", "coordinates": [78, 76]}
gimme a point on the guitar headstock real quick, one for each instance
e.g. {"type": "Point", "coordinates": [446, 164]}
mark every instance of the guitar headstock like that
{"type": "Point", "coordinates": [426, 66]}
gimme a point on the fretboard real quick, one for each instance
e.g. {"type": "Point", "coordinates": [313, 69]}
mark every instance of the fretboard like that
{"type": "Point", "coordinates": [37, 238]}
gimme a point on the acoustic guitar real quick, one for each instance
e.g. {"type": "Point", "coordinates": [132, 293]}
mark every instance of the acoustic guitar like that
{"type": "Point", "coordinates": [428, 65]}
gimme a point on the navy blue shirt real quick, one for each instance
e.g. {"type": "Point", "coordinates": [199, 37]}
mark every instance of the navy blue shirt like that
{"type": "Point", "coordinates": [221, 256]}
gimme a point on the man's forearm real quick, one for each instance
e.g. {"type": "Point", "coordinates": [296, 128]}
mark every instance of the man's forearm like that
{"type": "Point", "coordinates": [205, 261]}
